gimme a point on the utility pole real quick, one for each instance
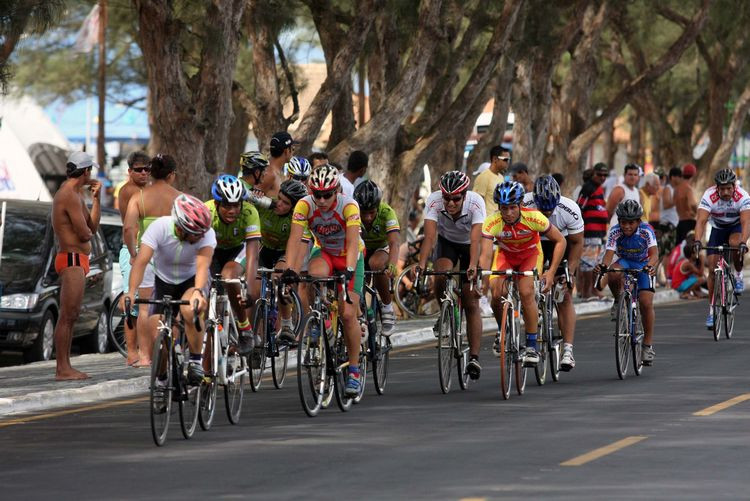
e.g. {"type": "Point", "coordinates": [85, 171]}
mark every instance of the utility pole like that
{"type": "Point", "coordinates": [102, 81]}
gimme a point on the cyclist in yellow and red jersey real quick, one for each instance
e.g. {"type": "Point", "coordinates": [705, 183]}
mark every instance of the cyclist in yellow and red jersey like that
{"type": "Point", "coordinates": [517, 232]}
{"type": "Point", "coordinates": [334, 220]}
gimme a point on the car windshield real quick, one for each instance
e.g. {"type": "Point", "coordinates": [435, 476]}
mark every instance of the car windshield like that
{"type": "Point", "coordinates": [24, 253]}
{"type": "Point", "coordinates": [113, 235]}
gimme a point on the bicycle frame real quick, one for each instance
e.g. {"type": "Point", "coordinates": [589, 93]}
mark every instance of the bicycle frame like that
{"type": "Point", "coordinates": [216, 324]}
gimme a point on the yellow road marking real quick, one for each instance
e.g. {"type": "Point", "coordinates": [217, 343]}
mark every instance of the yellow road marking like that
{"type": "Point", "coordinates": [473, 499]}
{"type": "Point", "coordinates": [603, 451]}
{"type": "Point", "coordinates": [723, 405]}
{"type": "Point", "coordinates": [106, 405]}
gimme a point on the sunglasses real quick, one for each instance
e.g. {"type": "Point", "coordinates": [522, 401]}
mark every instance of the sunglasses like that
{"type": "Point", "coordinates": [324, 195]}
{"type": "Point", "coordinates": [453, 199]}
{"type": "Point", "coordinates": [504, 159]}
{"type": "Point", "coordinates": [301, 179]}
{"type": "Point", "coordinates": [141, 169]}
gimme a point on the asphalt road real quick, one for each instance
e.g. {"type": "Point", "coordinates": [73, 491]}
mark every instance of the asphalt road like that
{"type": "Point", "coordinates": [588, 436]}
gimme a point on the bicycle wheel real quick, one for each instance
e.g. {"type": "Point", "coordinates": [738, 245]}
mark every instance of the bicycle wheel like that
{"type": "Point", "coordinates": [407, 298]}
{"type": "Point", "coordinates": [362, 374]}
{"type": "Point", "coordinates": [636, 344]}
{"type": "Point", "coordinates": [311, 366]}
{"type": "Point", "coordinates": [543, 340]}
{"type": "Point", "coordinates": [207, 412]}
{"type": "Point", "coordinates": [340, 368]}
{"type": "Point", "coordinates": [554, 345]}
{"type": "Point", "coordinates": [116, 326]}
{"type": "Point", "coordinates": [237, 378]}
{"type": "Point", "coordinates": [381, 356]}
{"type": "Point", "coordinates": [161, 387]}
{"type": "Point", "coordinates": [718, 310]}
{"type": "Point", "coordinates": [520, 370]}
{"type": "Point", "coordinates": [445, 346]}
{"type": "Point", "coordinates": [506, 355]}
{"type": "Point", "coordinates": [257, 358]}
{"type": "Point", "coordinates": [189, 396]}
{"type": "Point", "coordinates": [462, 351]}
{"type": "Point", "coordinates": [622, 336]}
{"type": "Point", "coordinates": [731, 305]}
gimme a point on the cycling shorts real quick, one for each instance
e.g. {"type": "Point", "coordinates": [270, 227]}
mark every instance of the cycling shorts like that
{"type": "Point", "coordinates": [720, 236]}
{"type": "Point", "coordinates": [457, 253]}
{"type": "Point", "coordinates": [644, 280]}
{"type": "Point", "coordinates": [520, 261]}
{"type": "Point", "coordinates": [370, 252]}
{"type": "Point", "coordinates": [223, 256]}
{"type": "Point", "coordinates": [267, 258]}
{"type": "Point", "coordinates": [547, 250]}
{"type": "Point", "coordinates": [338, 264]}
{"type": "Point", "coordinates": [162, 288]}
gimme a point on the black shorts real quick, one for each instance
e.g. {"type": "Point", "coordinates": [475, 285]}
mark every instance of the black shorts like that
{"type": "Point", "coordinates": [267, 258]}
{"type": "Point", "coordinates": [684, 227]}
{"type": "Point", "coordinates": [222, 257]}
{"type": "Point", "coordinates": [162, 288]}
{"type": "Point", "coordinates": [548, 247]}
{"type": "Point", "coordinates": [457, 253]}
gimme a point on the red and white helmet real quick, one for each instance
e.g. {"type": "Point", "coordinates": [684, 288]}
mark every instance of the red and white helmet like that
{"type": "Point", "coordinates": [191, 215]}
{"type": "Point", "coordinates": [454, 182]}
{"type": "Point", "coordinates": [324, 178]}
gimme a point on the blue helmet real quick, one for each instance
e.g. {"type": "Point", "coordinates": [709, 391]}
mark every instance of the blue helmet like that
{"type": "Point", "coordinates": [508, 193]}
{"type": "Point", "coordinates": [546, 193]}
{"type": "Point", "coordinates": [228, 189]}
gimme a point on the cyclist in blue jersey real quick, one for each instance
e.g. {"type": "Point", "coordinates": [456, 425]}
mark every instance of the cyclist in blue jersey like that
{"type": "Point", "coordinates": [634, 242]}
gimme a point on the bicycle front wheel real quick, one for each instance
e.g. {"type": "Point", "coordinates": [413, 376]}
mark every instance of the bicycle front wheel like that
{"type": "Point", "coordinates": [381, 346]}
{"type": "Point", "coordinates": [189, 398]}
{"type": "Point", "coordinates": [554, 345]}
{"type": "Point", "coordinates": [462, 352]}
{"type": "Point", "coordinates": [521, 371]}
{"type": "Point", "coordinates": [340, 369]}
{"type": "Point", "coordinates": [116, 326]}
{"type": "Point", "coordinates": [161, 387]}
{"type": "Point", "coordinates": [445, 346]}
{"type": "Point", "coordinates": [237, 378]}
{"type": "Point", "coordinates": [543, 340]}
{"type": "Point", "coordinates": [622, 336]}
{"type": "Point", "coordinates": [731, 305]}
{"type": "Point", "coordinates": [257, 358]}
{"type": "Point", "coordinates": [718, 309]}
{"type": "Point", "coordinates": [409, 300]}
{"type": "Point", "coordinates": [506, 351]}
{"type": "Point", "coordinates": [207, 412]}
{"type": "Point", "coordinates": [311, 366]}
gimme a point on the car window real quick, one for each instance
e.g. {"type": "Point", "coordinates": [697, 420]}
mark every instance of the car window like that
{"type": "Point", "coordinates": [25, 247]}
{"type": "Point", "coordinates": [113, 237]}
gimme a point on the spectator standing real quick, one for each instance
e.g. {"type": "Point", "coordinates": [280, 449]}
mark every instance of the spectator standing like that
{"type": "Point", "coordinates": [627, 190]}
{"type": "Point", "coordinates": [685, 202]}
{"type": "Point", "coordinates": [318, 158]}
{"type": "Point", "coordinates": [520, 173]}
{"type": "Point", "coordinates": [356, 168]}
{"type": "Point", "coordinates": [595, 216]}
{"type": "Point", "coordinates": [485, 182]}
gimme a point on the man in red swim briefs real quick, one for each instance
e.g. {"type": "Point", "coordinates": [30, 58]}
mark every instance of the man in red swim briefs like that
{"type": "Point", "coordinates": [74, 227]}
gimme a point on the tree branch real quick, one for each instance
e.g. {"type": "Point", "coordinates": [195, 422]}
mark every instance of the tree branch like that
{"type": "Point", "coordinates": [290, 81]}
{"type": "Point", "coordinates": [724, 153]}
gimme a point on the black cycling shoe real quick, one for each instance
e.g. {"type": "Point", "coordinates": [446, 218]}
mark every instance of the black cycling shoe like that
{"type": "Point", "coordinates": [246, 343]}
{"type": "Point", "coordinates": [195, 373]}
{"type": "Point", "coordinates": [286, 336]}
{"type": "Point", "coordinates": [473, 369]}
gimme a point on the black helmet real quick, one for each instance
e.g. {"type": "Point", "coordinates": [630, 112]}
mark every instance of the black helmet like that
{"type": "Point", "coordinates": [725, 176]}
{"type": "Point", "coordinates": [294, 190]}
{"type": "Point", "coordinates": [629, 210]}
{"type": "Point", "coordinates": [368, 195]}
{"type": "Point", "coordinates": [454, 182]}
{"type": "Point", "coordinates": [252, 160]}
{"type": "Point", "coordinates": [546, 193]}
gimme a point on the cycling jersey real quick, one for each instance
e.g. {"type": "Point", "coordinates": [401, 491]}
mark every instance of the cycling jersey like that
{"type": "Point", "coordinates": [634, 248]}
{"type": "Point", "coordinates": [456, 230]}
{"type": "Point", "coordinates": [329, 227]}
{"type": "Point", "coordinates": [274, 229]}
{"type": "Point", "coordinates": [174, 259]}
{"type": "Point", "coordinates": [246, 227]}
{"type": "Point", "coordinates": [385, 222]}
{"type": "Point", "coordinates": [724, 214]}
{"type": "Point", "coordinates": [566, 217]}
{"type": "Point", "coordinates": [521, 237]}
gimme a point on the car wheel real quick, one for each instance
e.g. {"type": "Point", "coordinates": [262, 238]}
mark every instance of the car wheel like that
{"type": "Point", "coordinates": [98, 340]}
{"type": "Point", "coordinates": [44, 345]}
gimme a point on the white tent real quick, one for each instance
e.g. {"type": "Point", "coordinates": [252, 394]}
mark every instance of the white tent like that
{"type": "Point", "coordinates": [19, 178]}
{"type": "Point", "coordinates": [30, 123]}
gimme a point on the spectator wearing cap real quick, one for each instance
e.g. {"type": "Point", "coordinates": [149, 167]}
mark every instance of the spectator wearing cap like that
{"type": "Point", "coordinates": [356, 168]}
{"type": "Point", "coordinates": [595, 217]}
{"type": "Point", "coordinates": [282, 149]}
{"type": "Point", "coordinates": [685, 202]}
{"type": "Point", "coordinates": [486, 180]}
{"type": "Point", "coordinates": [520, 173]}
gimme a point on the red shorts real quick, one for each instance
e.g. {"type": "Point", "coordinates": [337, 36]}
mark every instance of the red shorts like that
{"type": "Point", "coordinates": [71, 259]}
{"type": "Point", "coordinates": [517, 261]}
{"type": "Point", "coordinates": [338, 263]}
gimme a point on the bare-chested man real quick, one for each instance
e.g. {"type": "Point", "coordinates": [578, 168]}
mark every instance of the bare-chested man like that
{"type": "Point", "coordinates": [685, 202]}
{"type": "Point", "coordinates": [144, 208]}
{"type": "Point", "coordinates": [74, 227]}
{"type": "Point", "coordinates": [138, 178]}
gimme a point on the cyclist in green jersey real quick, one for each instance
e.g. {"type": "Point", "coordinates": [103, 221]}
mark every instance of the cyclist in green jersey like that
{"type": "Point", "coordinates": [382, 235]}
{"type": "Point", "coordinates": [237, 229]}
{"type": "Point", "coordinates": [253, 168]}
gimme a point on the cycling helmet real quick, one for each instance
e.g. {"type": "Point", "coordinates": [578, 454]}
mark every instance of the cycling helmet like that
{"type": "Point", "coordinates": [298, 167]}
{"type": "Point", "coordinates": [454, 182]}
{"type": "Point", "coordinates": [508, 193]}
{"type": "Point", "coordinates": [546, 193]}
{"type": "Point", "coordinates": [324, 178]}
{"type": "Point", "coordinates": [368, 195]}
{"type": "Point", "coordinates": [228, 189]}
{"type": "Point", "coordinates": [725, 176]}
{"type": "Point", "coordinates": [294, 190]}
{"type": "Point", "coordinates": [629, 210]}
{"type": "Point", "coordinates": [252, 160]}
{"type": "Point", "coordinates": [191, 215]}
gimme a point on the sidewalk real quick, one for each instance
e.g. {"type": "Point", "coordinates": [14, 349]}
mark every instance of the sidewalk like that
{"type": "Point", "coordinates": [32, 387]}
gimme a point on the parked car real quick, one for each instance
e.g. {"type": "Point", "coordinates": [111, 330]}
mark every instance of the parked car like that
{"type": "Point", "coordinates": [30, 286]}
{"type": "Point", "coordinates": [111, 225]}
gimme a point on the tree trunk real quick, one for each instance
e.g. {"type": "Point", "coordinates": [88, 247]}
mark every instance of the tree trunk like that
{"type": "Point", "coordinates": [238, 133]}
{"type": "Point", "coordinates": [724, 152]}
{"type": "Point", "coordinates": [190, 116]}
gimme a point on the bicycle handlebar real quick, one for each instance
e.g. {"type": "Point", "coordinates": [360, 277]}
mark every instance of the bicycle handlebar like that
{"type": "Point", "coordinates": [630, 271]}
{"type": "Point", "coordinates": [721, 248]}
{"type": "Point", "coordinates": [166, 300]}
{"type": "Point", "coordinates": [339, 279]}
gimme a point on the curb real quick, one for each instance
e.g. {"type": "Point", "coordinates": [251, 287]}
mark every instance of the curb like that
{"type": "Point", "coordinates": [120, 388]}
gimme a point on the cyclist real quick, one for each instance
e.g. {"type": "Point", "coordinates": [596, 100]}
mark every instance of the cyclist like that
{"type": "Point", "coordinates": [298, 169]}
{"type": "Point", "coordinates": [565, 215]}
{"type": "Point", "coordinates": [727, 207]}
{"type": "Point", "coordinates": [453, 219]}
{"type": "Point", "coordinates": [634, 242]}
{"type": "Point", "coordinates": [518, 231]}
{"type": "Point", "coordinates": [181, 246]}
{"type": "Point", "coordinates": [334, 220]}
{"type": "Point", "coordinates": [256, 176]}
{"type": "Point", "coordinates": [382, 235]}
{"type": "Point", "coordinates": [237, 229]}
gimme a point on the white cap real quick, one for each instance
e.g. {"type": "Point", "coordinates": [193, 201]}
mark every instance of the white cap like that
{"type": "Point", "coordinates": [483, 167]}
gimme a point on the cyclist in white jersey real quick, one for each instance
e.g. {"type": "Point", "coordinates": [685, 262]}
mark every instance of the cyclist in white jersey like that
{"type": "Point", "coordinates": [565, 215]}
{"type": "Point", "coordinates": [454, 217]}
{"type": "Point", "coordinates": [727, 207]}
{"type": "Point", "coordinates": [181, 246]}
